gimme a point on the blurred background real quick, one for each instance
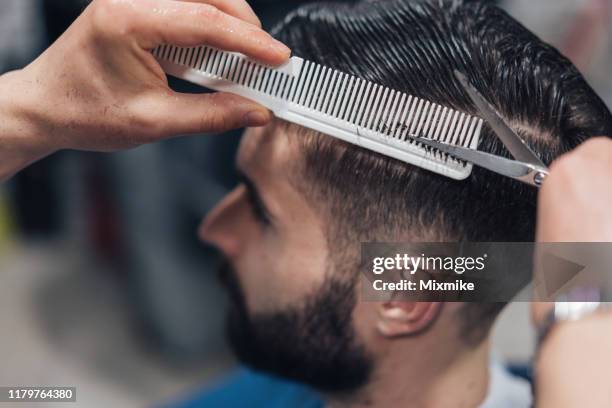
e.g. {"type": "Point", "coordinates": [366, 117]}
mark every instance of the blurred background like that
{"type": "Point", "coordinates": [103, 284]}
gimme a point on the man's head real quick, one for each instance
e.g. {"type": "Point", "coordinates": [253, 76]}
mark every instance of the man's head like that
{"type": "Point", "coordinates": [291, 232]}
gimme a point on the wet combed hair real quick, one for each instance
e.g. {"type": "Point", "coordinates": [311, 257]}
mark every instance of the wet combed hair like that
{"type": "Point", "coordinates": [413, 46]}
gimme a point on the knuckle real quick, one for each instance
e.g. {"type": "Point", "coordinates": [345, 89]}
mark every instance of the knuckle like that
{"type": "Point", "coordinates": [561, 170]}
{"type": "Point", "coordinates": [601, 146]}
{"type": "Point", "coordinates": [208, 11]}
{"type": "Point", "coordinates": [152, 129]}
{"type": "Point", "coordinates": [104, 10]}
{"type": "Point", "coordinates": [597, 146]}
{"type": "Point", "coordinates": [215, 123]}
{"type": "Point", "coordinates": [222, 117]}
{"type": "Point", "coordinates": [591, 154]}
{"type": "Point", "coordinates": [598, 142]}
{"type": "Point", "coordinates": [561, 164]}
{"type": "Point", "coordinates": [113, 16]}
{"type": "Point", "coordinates": [146, 126]}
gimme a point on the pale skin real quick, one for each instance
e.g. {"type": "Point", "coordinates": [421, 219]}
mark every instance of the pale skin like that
{"type": "Point", "coordinates": [574, 206]}
{"type": "Point", "coordinates": [283, 258]}
{"type": "Point", "coordinates": [99, 88]}
{"type": "Point", "coordinates": [433, 369]}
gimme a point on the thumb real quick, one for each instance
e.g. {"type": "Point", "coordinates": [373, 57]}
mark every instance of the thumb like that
{"type": "Point", "coordinates": [212, 112]}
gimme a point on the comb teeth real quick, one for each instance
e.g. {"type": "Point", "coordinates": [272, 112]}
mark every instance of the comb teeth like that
{"type": "Point", "coordinates": [329, 101]}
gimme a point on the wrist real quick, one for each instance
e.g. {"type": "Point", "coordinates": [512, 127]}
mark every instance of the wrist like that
{"type": "Point", "coordinates": [22, 141]}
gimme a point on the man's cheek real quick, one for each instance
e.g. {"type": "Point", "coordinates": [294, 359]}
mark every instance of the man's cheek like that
{"type": "Point", "coordinates": [261, 282]}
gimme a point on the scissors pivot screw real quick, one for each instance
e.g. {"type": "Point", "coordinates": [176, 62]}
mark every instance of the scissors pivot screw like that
{"type": "Point", "coordinates": [539, 178]}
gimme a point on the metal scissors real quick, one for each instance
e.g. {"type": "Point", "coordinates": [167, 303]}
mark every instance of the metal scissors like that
{"type": "Point", "coordinates": [527, 168]}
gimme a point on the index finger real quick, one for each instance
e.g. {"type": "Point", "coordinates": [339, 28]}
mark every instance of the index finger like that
{"type": "Point", "coordinates": [237, 8]}
{"type": "Point", "coordinates": [190, 24]}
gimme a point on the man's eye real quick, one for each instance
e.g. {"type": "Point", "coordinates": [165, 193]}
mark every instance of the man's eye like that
{"type": "Point", "coordinates": [258, 209]}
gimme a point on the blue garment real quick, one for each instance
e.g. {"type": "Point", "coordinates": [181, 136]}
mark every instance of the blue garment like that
{"type": "Point", "coordinates": [247, 388]}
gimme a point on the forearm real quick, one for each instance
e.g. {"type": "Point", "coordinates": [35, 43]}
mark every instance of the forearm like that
{"type": "Point", "coordinates": [20, 140]}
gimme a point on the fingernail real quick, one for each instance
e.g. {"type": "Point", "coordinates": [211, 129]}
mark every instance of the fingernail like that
{"type": "Point", "coordinates": [257, 20]}
{"type": "Point", "coordinates": [256, 118]}
{"type": "Point", "coordinates": [282, 48]}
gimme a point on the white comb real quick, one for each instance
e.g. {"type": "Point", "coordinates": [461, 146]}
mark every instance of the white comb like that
{"type": "Point", "coordinates": [329, 101]}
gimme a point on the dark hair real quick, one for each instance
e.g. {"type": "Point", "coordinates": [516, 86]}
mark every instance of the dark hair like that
{"type": "Point", "coordinates": [414, 46]}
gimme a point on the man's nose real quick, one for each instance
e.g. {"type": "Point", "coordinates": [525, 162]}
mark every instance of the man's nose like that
{"type": "Point", "coordinates": [220, 228]}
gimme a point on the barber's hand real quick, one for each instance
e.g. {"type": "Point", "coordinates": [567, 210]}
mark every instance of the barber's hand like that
{"type": "Point", "coordinates": [575, 201]}
{"type": "Point", "coordinates": [572, 368]}
{"type": "Point", "coordinates": [99, 88]}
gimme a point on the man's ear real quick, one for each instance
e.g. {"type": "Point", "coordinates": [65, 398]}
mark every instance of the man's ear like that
{"type": "Point", "coordinates": [406, 318]}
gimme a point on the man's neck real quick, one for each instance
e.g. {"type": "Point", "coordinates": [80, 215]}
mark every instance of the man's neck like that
{"type": "Point", "coordinates": [431, 382]}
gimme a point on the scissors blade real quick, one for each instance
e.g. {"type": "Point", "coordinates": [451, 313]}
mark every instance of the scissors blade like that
{"type": "Point", "coordinates": [509, 138]}
{"type": "Point", "coordinates": [496, 164]}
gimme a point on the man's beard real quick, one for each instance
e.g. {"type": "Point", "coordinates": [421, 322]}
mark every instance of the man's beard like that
{"type": "Point", "coordinates": [314, 343]}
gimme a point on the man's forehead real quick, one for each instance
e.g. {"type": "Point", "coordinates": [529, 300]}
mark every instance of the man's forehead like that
{"type": "Point", "coordinates": [266, 150]}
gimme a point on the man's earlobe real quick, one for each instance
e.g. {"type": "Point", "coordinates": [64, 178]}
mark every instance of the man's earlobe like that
{"type": "Point", "coordinates": [406, 318]}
